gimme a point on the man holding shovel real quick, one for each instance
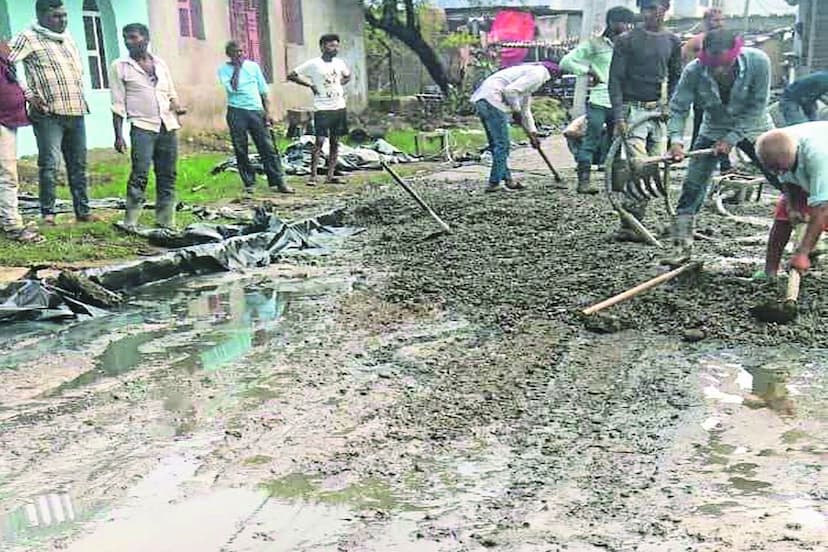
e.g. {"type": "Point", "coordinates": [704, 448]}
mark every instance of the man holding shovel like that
{"type": "Point", "coordinates": [732, 85]}
{"type": "Point", "coordinates": [645, 67]}
{"type": "Point", "coordinates": [799, 154]}
{"type": "Point", "coordinates": [509, 91]}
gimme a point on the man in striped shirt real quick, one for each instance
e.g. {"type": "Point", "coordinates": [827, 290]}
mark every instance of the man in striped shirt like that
{"type": "Point", "coordinates": [54, 76]}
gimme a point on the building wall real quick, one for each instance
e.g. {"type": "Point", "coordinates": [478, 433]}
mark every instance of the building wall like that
{"type": "Point", "coordinates": [194, 62]}
{"type": "Point", "coordinates": [17, 15]}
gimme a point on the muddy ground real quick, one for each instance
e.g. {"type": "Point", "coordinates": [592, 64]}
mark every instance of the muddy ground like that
{"type": "Point", "coordinates": [402, 394]}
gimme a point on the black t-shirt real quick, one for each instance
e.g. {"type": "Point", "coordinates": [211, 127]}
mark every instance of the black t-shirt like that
{"type": "Point", "coordinates": [641, 61]}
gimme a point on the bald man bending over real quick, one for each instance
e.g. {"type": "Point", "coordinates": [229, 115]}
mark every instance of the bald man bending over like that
{"type": "Point", "coordinates": [799, 154]}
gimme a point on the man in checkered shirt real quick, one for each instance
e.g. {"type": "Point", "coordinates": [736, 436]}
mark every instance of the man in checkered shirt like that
{"type": "Point", "coordinates": [54, 76]}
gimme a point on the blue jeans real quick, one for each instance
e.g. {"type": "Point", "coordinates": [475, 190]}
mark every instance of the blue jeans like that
{"type": "Point", "coordinates": [61, 135]}
{"type": "Point", "coordinates": [496, 124]}
{"type": "Point", "coordinates": [597, 117]}
{"type": "Point", "coordinates": [795, 113]}
{"type": "Point", "coordinates": [700, 169]}
{"type": "Point", "coordinates": [158, 149]}
{"type": "Point", "coordinates": [243, 122]}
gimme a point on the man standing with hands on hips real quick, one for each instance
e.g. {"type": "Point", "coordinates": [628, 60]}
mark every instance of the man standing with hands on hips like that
{"type": "Point", "coordinates": [326, 76]}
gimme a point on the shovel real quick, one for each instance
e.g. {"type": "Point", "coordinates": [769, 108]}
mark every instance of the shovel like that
{"type": "Point", "coordinates": [785, 311]}
{"type": "Point", "coordinates": [444, 228]}
{"type": "Point", "coordinates": [543, 155]}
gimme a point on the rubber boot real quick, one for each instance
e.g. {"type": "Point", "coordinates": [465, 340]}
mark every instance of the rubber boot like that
{"type": "Point", "coordinates": [133, 213]}
{"type": "Point", "coordinates": [584, 184]}
{"type": "Point", "coordinates": [683, 230]}
{"type": "Point", "coordinates": [165, 215]}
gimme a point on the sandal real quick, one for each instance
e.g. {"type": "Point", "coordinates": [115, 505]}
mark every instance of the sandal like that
{"type": "Point", "coordinates": [25, 235]}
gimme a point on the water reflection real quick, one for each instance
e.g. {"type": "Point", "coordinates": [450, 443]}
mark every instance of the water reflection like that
{"type": "Point", "coordinates": [244, 317]}
{"type": "Point", "coordinates": [769, 388]}
{"type": "Point", "coordinates": [42, 514]}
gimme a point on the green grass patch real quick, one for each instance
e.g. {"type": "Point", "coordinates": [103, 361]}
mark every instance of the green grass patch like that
{"type": "Point", "coordinates": [101, 243]}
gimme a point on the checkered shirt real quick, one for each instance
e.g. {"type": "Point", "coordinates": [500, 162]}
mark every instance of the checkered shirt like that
{"type": "Point", "coordinates": [54, 70]}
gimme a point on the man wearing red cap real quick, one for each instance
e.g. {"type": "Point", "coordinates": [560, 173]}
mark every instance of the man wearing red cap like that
{"type": "Point", "coordinates": [731, 83]}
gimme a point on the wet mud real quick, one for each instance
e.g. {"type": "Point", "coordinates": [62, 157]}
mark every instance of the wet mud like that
{"type": "Point", "coordinates": [439, 394]}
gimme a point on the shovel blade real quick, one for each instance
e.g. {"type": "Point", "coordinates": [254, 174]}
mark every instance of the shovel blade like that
{"type": "Point", "coordinates": [776, 312]}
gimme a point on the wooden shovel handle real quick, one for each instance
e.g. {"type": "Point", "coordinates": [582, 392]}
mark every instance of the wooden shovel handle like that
{"type": "Point", "coordinates": [794, 278]}
{"type": "Point", "coordinates": [645, 161]}
{"type": "Point", "coordinates": [630, 293]}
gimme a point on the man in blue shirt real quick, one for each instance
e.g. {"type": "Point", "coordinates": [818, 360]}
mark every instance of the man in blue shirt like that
{"type": "Point", "coordinates": [248, 113]}
{"type": "Point", "coordinates": [731, 84]}
{"type": "Point", "coordinates": [799, 154]}
{"type": "Point", "coordinates": [799, 101]}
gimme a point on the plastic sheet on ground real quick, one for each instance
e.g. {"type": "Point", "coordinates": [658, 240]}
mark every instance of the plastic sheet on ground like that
{"type": "Point", "coordinates": [29, 205]}
{"type": "Point", "coordinates": [228, 247]}
{"type": "Point", "coordinates": [296, 159]}
{"type": "Point", "coordinates": [39, 301]}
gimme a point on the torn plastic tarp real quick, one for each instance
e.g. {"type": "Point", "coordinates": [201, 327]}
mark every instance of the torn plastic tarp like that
{"type": "Point", "coordinates": [40, 301]}
{"type": "Point", "coordinates": [255, 245]}
{"type": "Point", "coordinates": [296, 159]}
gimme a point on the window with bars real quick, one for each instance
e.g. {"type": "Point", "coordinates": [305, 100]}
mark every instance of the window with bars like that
{"type": "Point", "coordinates": [292, 19]}
{"type": "Point", "coordinates": [95, 51]}
{"type": "Point", "coordinates": [190, 19]}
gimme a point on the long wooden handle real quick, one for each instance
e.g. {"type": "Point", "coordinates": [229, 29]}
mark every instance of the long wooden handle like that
{"type": "Point", "coordinates": [549, 164]}
{"type": "Point", "coordinates": [416, 197]}
{"type": "Point", "coordinates": [630, 293]}
{"type": "Point", "coordinates": [794, 278]}
{"type": "Point", "coordinates": [644, 161]}
{"type": "Point", "coordinates": [543, 155]}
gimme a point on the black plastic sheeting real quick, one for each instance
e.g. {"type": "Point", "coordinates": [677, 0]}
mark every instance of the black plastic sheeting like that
{"type": "Point", "coordinates": [296, 159]}
{"type": "Point", "coordinates": [200, 249]}
{"type": "Point", "coordinates": [38, 300]}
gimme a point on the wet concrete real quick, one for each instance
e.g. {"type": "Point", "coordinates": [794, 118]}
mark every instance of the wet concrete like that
{"type": "Point", "coordinates": [406, 396]}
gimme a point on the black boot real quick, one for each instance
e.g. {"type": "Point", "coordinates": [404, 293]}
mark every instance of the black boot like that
{"type": "Point", "coordinates": [584, 185]}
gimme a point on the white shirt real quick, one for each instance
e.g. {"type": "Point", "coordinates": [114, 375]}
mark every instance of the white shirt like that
{"type": "Point", "coordinates": [511, 89]}
{"type": "Point", "coordinates": [327, 77]}
{"type": "Point", "coordinates": [136, 97]}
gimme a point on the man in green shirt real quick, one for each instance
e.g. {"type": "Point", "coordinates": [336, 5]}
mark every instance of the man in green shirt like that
{"type": "Point", "coordinates": [593, 58]}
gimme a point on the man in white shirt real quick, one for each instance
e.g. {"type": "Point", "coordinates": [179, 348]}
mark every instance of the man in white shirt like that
{"type": "Point", "coordinates": [326, 76]}
{"type": "Point", "coordinates": [143, 92]}
{"type": "Point", "coordinates": [509, 91]}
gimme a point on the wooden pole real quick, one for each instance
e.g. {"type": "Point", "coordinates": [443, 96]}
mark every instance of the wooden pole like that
{"type": "Point", "coordinates": [416, 197]}
{"type": "Point", "coordinates": [649, 284]}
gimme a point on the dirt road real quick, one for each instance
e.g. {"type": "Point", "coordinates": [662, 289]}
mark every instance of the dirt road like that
{"type": "Point", "coordinates": [439, 395]}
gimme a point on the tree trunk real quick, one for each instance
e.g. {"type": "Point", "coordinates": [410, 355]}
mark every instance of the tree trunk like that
{"type": "Point", "coordinates": [412, 38]}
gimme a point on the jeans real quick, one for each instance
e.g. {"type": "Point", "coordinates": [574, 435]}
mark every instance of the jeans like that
{"type": "Point", "coordinates": [795, 113]}
{"type": "Point", "coordinates": [243, 122]}
{"type": "Point", "coordinates": [496, 124]}
{"type": "Point", "coordinates": [157, 149]}
{"type": "Point", "coordinates": [61, 135]}
{"type": "Point", "coordinates": [648, 138]}
{"type": "Point", "coordinates": [700, 169]}
{"type": "Point", "coordinates": [597, 117]}
{"type": "Point", "coordinates": [9, 214]}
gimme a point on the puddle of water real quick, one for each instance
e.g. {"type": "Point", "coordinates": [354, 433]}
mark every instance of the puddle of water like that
{"type": "Point", "coordinates": [749, 486]}
{"type": "Point", "coordinates": [207, 327]}
{"type": "Point", "coordinates": [362, 495]}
